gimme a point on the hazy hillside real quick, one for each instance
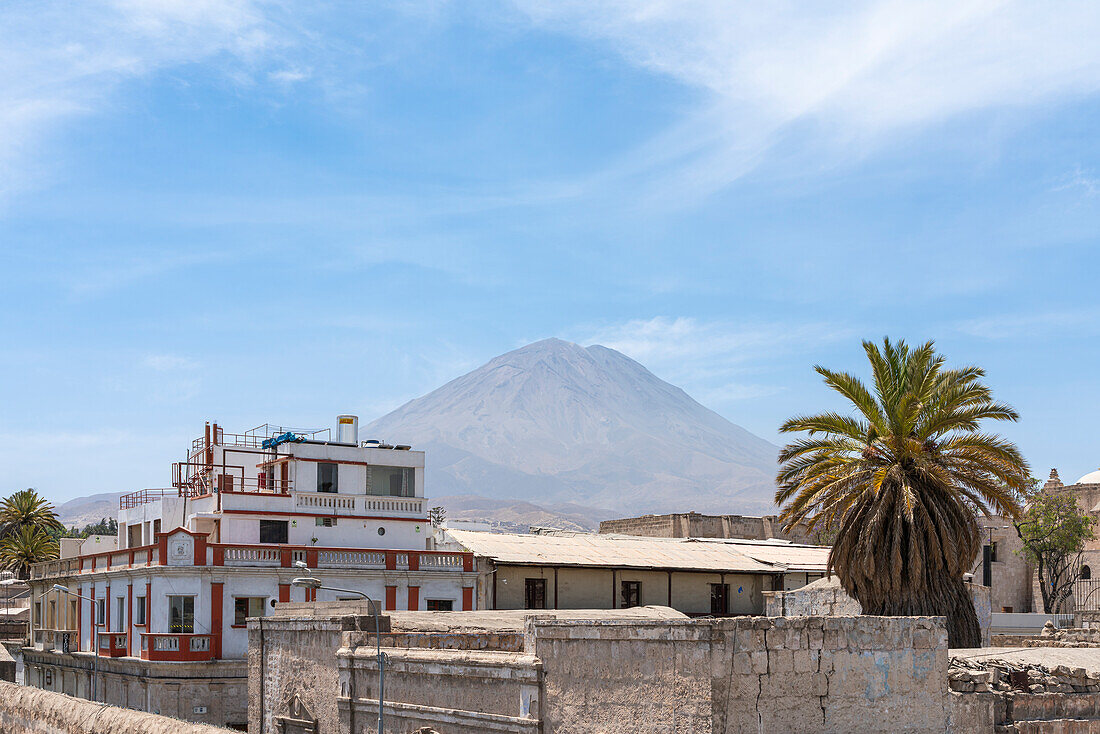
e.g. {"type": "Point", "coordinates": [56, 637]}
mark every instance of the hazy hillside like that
{"type": "Point", "coordinates": [88, 510]}
{"type": "Point", "coordinates": [554, 423]}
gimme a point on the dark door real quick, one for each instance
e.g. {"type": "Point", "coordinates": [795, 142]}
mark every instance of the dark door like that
{"type": "Point", "coordinates": [719, 599]}
{"type": "Point", "coordinates": [535, 594]}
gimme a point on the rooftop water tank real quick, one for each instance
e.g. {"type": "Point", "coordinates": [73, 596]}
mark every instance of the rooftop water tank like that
{"type": "Point", "coordinates": [347, 429]}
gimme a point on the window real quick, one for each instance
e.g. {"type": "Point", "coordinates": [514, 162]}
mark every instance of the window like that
{"type": "Point", "coordinates": [632, 594]}
{"type": "Point", "coordinates": [156, 529]}
{"type": "Point", "coordinates": [439, 605]}
{"type": "Point", "coordinates": [181, 614]}
{"type": "Point", "coordinates": [394, 481]}
{"type": "Point", "coordinates": [274, 531]}
{"type": "Point", "coordinates": [993, 552]}
{"type": "Point", "coordinates": [1086, 573]}
{"type": "Point", "coordinates": [534, 594]}
{"type": "Point", "coordinates": [100, 611]}
{"type": "Point", "coordinates": [38, 614]}
{"type": "Point", "coordinates": [326, 478]}
{"type": "Point", "coordinates": [247, 606]}
{"type": "Point", "coordinates": [120, 614]}
{"type": "Point", "coordinates": [139, 610]}
{"type": "Point", "coordinates": [719, 599]}
{"type": "Point", "coordinates": [326, 522]}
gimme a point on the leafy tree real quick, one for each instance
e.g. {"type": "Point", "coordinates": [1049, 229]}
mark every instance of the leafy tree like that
{"type": "Point", "coordinates": [26, 508]}
{"type": "Point", "coordinates": [106, 526]}
{"type": "Point", "coordinates": [1054, 530]}
{"type": "Point", "coordinates": [29, 544]}
{"type": "Point", "coordinates": [437, 515]}
{"type": "Point", "coordinates": [901, 480]}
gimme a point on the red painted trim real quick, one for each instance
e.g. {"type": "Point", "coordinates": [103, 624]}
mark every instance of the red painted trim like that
{"type": "Point", "coordinates": [391, 560]}
{"type": "Point", "coordinates": [414, 561]}
{"type": "Point", "coordinates": [148, 609]}
{"type": "Point", "coordinates": [414, 598]}
{"type": "Point", "coordinates": [467, 562]}
{"type": "Point", "coordinates": [79, 619]}
{"type": "Point", "coordinates": [311, 558]}
{"type": "Point", "coordinates": [131, 556]}
{"type": "Point", "coordinates": [109, 561]}
{"type": "Point", "coordinates": [285, 557]}
{"type": "Point", "coordinates": [219, 554]}
{"type": "Point", "coordinates": [284, 593]}
{"type": "Point", "coordinates": [271, 513]}
{"type": "Point", "coordinates": [467, 598]}
{"type": "Point", "coordinates": [265, 493]}
{"type": "Point", "coordinates": [391, 598]}
{"type": "Point", "coordinates": [130, 615]}
{"type": "Point", "coordinates": [200, 551]}
{"type": "Point", "coordinates": [184, 654]}
{"type": "Point", "coordinates": [216, 617]}
{"type": "Point", "coordinates": [162, 543]}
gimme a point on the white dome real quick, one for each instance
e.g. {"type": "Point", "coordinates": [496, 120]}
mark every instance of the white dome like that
{"type": "Point", "coordinates": [1093, 477]}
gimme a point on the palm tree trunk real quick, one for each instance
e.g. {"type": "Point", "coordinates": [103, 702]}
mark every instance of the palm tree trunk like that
{"type": "Point", "coordinates": [948, 597]}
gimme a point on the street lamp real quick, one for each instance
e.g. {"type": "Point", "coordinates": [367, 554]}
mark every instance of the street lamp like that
{"type": "Point", "coordinates": [308, 582]}
{"type": "Point", "coordinates": [95, 631]}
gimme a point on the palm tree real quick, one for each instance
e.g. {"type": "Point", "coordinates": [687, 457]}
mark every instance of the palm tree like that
{"type": "Point", "coordinates": [26, 508]}
{"type": "Point", "coordinates": [901, 480]}
{"type": "Point", "coordinates": [27, 545]}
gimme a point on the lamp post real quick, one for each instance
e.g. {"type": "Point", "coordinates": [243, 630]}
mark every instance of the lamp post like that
{"type": "Point", "coordinates": [308, 582]}
{"type": "Point", "coordinates": [95, 632]}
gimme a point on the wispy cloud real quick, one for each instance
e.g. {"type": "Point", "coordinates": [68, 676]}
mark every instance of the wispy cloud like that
{"type": "Point", "coordinates": [718, 361]}
{"type": "Point", "coordinates": [59, 60]}
{"type": "Point", "coordinates": [1080, 180]}
{"type": "Point", "coordinates": [847, 76]}
{"type": "Point", "coordinates": [168, 362]}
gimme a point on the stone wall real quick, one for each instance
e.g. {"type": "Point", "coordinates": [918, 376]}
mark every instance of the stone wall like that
{"type": "Point", "coordinates": [7, 665]}
{"type": "Point", "coordinates": [826, 597]}
{"type": "Point", "coordinates": [746, 674]}
{"type": "Point", "coordinates": [823, 598]}
{"type": "Point", "coordinates": [24, 709]}
{"type": "Point", "coordinates": [293, 653]}
{"type": "Point", "coordinates": [695, 525]}
{"type": "Point", "coordinates": [200, 692]}
{"type": "Point", "coordinates": [1011, 574]}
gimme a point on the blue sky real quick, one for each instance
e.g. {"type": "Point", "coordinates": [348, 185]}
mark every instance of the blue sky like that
{"type": "Point", "coordinates": [254, 212]}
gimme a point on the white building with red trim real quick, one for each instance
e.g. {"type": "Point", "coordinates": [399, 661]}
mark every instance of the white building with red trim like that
{"type": "Point", "coordinates": [245, 514]}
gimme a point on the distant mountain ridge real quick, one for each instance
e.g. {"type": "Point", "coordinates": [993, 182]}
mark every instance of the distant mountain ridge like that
{"type": "Point", "coordinates": [562, 435]}
{"type": "Point", "coordinates": [554, 423]}
{"type": "Point", "coordinates": [83, 511]}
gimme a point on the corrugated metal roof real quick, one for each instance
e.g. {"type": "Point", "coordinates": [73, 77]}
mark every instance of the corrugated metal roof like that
{"type": "Point", "coordinates": [619, 551]}
{"type": "Point", "coordinates": [808, 558]}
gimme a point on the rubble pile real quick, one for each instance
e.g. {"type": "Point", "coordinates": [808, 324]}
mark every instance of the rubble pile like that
{"type": "Point", "coordinates": [1075, 637]}
{"type": "Point", "coordinates": [990, 674]}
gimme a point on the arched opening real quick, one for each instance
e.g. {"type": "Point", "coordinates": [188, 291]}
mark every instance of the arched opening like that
{"type": "Point", "coordinates": [1086, 572]}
